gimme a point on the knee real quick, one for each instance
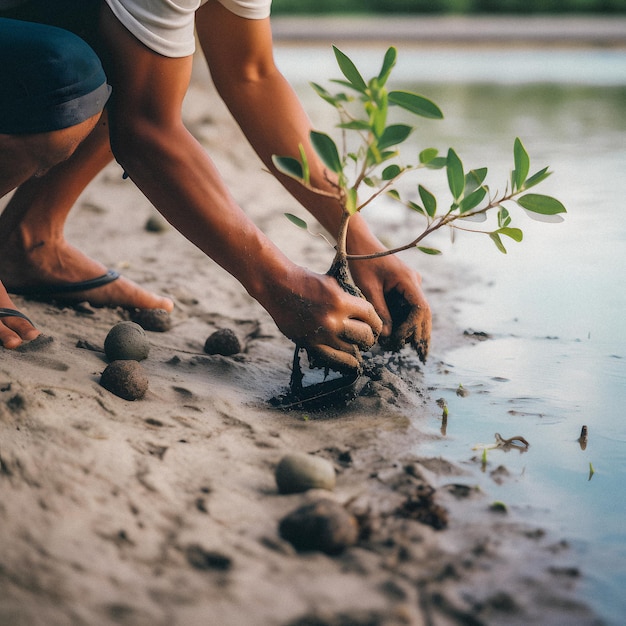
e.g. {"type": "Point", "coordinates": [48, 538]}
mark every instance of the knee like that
{"type": "Point", "coordinates": [51, 79]}
{"type": "Point", "coordinates": [50, 149]}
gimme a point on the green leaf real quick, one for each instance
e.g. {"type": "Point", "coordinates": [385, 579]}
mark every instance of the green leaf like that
{"type": "Point", "coordinates": [438, 163]}
{"type": "Point", "coordinates": [391, 171]}
{"type": "Point", "coordinates": [351, 201]}
{"type": "Point", "coordinates": [355, 125]}
{"type": "Point", "coordinates": [415, 207]}
{"type": "Point", "coordinates": [378, 118]}
{"type": "Point", "coordinates": [427, 155]}
{"type": "Point", "coordinates": [306, 171]}
{"type": "Point", "coordinates": [416, 104]}
{"type": "Point", "coordinates": [429, 201]}
{"type": "Point", "coordinates": [545, 205]}
{"type": "Point", "coordinates": [393, 193]}
{"type": "Point", "coordinates": [327, 151]}
{"type": "Point", "coordinates": [349, 70]}
{"type": "Point", "coordinates": [388, 62]}
{"type": "Point", "coordinates": [300, 223]}
{"type": "Point", "coordinates": [474, 179]}
{"type": "Point", "coordinates": [393, 135]}
{"type": "Point", "coordinates": [428, 250]}
{"type": "Point", "coordinates": [335, 99]}
{"type": "Point", "coordinates": [514, 233]}
{"type": "Point", "coordinates": [289, 166]}
{"type": "Point", "coordinates": [504, 219]}
{"type": "Point", "coordinates": [536, 178]}
{"type": "Point", "coordinates": [473, 200]}
{"type": "Point", "coordinates": [522, 164]}
{"type": "Point", "coordinates": [496, 239]}
{"type": "Point", "coordinates": [456, 178]}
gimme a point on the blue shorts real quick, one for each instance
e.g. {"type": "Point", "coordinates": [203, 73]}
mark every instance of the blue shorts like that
{"type": "Point", "coordinates": [49, 78]}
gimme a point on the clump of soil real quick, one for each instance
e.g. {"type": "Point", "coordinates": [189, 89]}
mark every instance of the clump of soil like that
{"type": "Point", "coordinates": [125, 379]}
{"type": "Point", "coordinates": [224, 342]}
{"type": "Point", "coordinates": [155, 320]}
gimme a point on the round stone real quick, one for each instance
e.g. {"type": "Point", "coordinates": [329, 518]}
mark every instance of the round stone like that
{"type": "Point", "coordinates": [125, 379]}
{"type": "Point", "coordinates": [126, 341]}
{"type": "Point", "coordinates": [224, 342]}
{"type": "Point", "coordinates": [299, 472]}
{"type": "Point", "coordinates": [323, 526]}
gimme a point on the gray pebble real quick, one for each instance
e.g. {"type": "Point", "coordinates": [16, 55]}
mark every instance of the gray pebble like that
{"type": "Point", "coordinates": [126, 341]}
{"type": "Point", "coordinates": [299, 472]}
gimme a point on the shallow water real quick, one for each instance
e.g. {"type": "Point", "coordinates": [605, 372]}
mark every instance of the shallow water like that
{"type": "Point", "coordinates": [553, 306]}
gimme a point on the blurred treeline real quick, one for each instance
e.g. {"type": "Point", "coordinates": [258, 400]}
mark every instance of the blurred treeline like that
{"type": "Point", "coordinates": [449, 6]}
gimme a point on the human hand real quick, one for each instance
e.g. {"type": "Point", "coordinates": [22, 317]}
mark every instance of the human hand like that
{"type": "Point", "coordinates": [319, 316]}
{"type": "Point", "coordinates": [395, 291]}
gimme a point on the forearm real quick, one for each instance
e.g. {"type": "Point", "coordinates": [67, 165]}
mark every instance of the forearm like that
{"type": "Point", "coordinates": [182, 182]}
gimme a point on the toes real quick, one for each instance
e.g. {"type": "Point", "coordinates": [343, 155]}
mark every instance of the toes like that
{"type": "Point", "coordinates": [14, 331]}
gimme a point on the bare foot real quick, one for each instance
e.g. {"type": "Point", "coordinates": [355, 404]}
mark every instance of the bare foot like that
{"type": "Point", "coordinates": [13, 330]}
{"type": "Point", "coordinates": [45, 265]}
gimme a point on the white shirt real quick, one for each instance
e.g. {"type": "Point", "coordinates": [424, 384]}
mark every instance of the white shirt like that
{"type": "Point", "coordinates": [167, 26]}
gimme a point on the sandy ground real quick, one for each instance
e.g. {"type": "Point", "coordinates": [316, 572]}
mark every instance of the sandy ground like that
{"type": "Point", "coordinates": [165, 511]}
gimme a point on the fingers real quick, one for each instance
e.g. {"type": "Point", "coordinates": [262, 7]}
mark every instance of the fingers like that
{"type": "Point", "coordinates": [343, 361]}
{"type": "Point", "coordinates": [411, 322]}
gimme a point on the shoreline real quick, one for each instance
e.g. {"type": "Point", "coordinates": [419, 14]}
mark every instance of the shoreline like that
{"type": "Point", "coordinates": [558, 31]}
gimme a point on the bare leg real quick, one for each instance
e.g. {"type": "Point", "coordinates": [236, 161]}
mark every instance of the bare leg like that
{"type": "Point", "coordinates": [21, 158]}
{"type": "Point", "coordinates": [35, 252]}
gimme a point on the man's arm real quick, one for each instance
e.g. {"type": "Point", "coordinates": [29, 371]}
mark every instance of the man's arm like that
{"type": "Point", "coordinates": [178, 177]}
{"type": "Point", "coordinates": [240, 56]}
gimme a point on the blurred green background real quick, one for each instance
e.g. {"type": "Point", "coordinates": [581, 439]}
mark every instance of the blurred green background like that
{"type": "Point", "coordinates": [449, 6]}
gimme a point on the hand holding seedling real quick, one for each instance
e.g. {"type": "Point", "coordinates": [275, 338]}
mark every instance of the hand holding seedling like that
{"type": "Point", "coordinates": [356, 177]}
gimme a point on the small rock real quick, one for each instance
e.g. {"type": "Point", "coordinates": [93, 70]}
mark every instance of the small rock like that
{"type": "Point", "coordinates": [224, 342]}
{"type": "Point", "coordinates": [299, 472]}
{"type": "Point", "coordinates": [156, 224]}
{"type": "Point", "coordinates": [203, 559]}
{"type": "Point", "coordinates": [156, 320]}
{"type": "Point", "coordinates": [125, 379]}
{"type": "Point", "coordinates": [323, 526]}
{"type": "Point", "coordinates": [126, 341]}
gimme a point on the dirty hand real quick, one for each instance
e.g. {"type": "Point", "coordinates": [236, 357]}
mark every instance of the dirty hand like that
{"type": "Point", "coordinates": [333, 326]}
{"type": "Point", "coordinates": [395, 291]}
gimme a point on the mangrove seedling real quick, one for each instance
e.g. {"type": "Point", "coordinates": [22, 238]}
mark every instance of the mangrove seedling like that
{"type": "Point", "coordinates": [365, 163]}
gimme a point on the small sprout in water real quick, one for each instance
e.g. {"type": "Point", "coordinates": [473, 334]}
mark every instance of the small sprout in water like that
{"type": "Point", "coordinates": [461, 391]}
{"type": "Point", "coordinates": [582, 440]}
{"type": "Point", "coordinates": [591, 471]}
{"type": "Point", "coordinates": [499, 507]}
{"type": "Point", "coordinates": [484, 459]}
{"type": "Point", "coordinates": [441, 402]}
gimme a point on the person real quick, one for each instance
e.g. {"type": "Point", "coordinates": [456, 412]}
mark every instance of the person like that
{"type": "Point", "coordinates": [53, 92]}
{"type": "Point", "coordinates": [147, 51]}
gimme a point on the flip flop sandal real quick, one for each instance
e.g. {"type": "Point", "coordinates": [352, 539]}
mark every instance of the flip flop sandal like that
{"type": "Point", "coordinates": [13, 313]}
{"type": "Point", "coordinates": [66, 288]}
